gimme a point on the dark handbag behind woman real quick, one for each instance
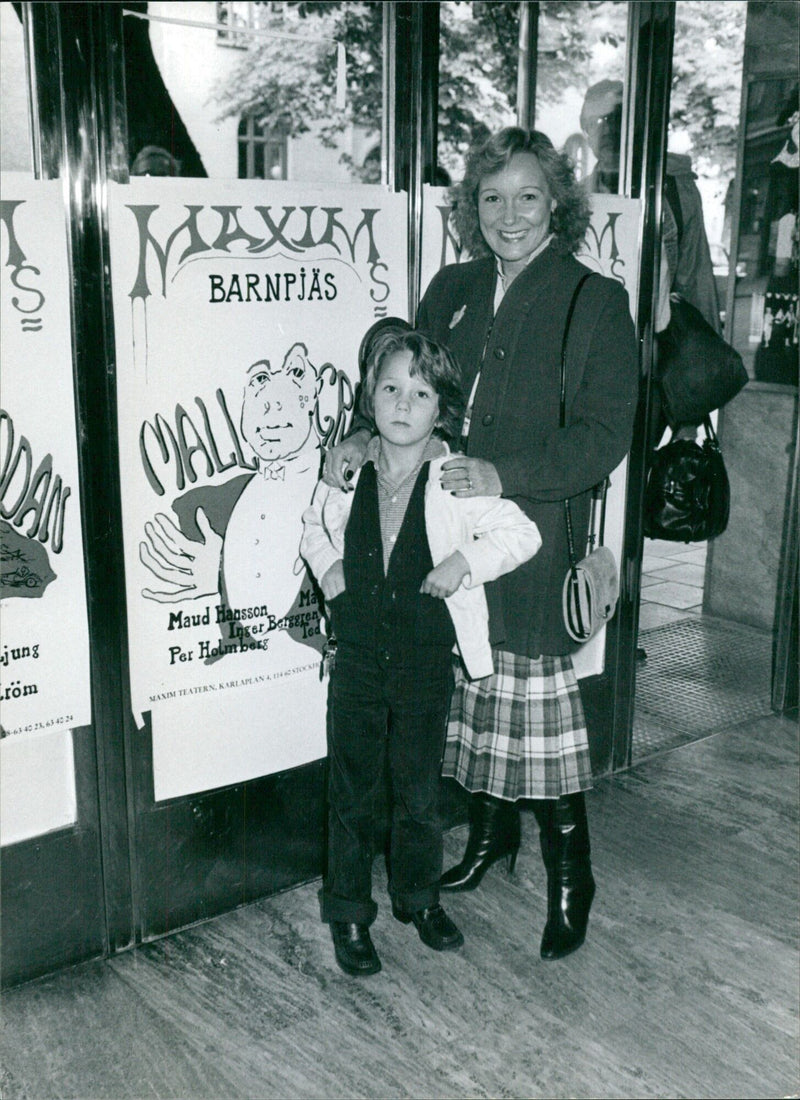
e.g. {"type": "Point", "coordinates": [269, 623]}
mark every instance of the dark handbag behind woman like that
{"type": "Point", "coordinates": [687, 496]}
{"type": "Point", "coordinates": [697, 371]}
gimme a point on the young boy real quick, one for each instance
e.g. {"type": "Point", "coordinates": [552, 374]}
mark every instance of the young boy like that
{"type": "Point", "coordinates": [401, 564]}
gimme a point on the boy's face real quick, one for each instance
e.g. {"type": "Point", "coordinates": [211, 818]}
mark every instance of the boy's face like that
{"type": "Point", "coordinates": [406, 406]}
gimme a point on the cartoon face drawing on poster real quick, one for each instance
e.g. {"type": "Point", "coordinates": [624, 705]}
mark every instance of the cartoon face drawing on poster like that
{"type": "Point", "coordinates": [277, 408]}
{"type": "Point", "coordinates": [239, 541]}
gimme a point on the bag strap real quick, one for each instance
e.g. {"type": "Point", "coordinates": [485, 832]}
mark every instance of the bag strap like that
{"type": "Point", "coordinates": [708, 427]}
{"type": "Point", "coordinates": [562, 411]}
{"type": "Point", "coordinates": [599, 491]}
{"type": "Point", "coordinates": [673, 197]}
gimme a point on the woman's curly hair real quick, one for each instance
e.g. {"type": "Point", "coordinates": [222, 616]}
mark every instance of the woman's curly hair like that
{"type": "Point", "coordinates": [432, 362]}
{"type": "Point", "coordinates": [569, 220]}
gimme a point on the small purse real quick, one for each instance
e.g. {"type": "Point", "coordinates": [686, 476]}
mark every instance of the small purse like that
{"type": "Point", "coordinates": [687, 496]}
{"type": "Point", "coordinates": [591, 587]}
{"type": "Point", "coordinates": [697, 371]}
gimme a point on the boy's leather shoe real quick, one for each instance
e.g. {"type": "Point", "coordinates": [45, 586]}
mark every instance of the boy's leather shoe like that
{"type": "Point", "coordinates": [435, 928]}
{"type": "Point", "coordinates": [354, 949]}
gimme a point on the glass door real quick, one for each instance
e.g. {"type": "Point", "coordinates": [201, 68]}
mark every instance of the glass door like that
{"type": "Point", "coordinates": [52, 888]}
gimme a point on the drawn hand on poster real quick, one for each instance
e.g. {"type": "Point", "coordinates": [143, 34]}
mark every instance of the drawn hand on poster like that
{"type": "Point", "coordinates": [188, 569]}
{"type": "Point", "coordinates": [240, 540]}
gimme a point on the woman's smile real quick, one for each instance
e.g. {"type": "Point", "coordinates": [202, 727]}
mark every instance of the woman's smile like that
{"type": "Point", "coordinates": [515, 206]}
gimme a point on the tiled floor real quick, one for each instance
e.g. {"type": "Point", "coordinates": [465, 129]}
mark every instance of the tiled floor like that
{"type": "Point", "coordinates": [672, 582]}
{"type": "Point", "coordinates": [696, 674]}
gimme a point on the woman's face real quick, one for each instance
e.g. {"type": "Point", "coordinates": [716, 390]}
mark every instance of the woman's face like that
{"type": "Point", "coordinates": [514, 210]}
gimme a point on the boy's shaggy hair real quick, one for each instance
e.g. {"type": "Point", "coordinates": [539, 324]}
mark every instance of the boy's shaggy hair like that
{"type": "Point", "coordinates": [569, 220]}
{"type": "Point", "coordinates": [432, 362]}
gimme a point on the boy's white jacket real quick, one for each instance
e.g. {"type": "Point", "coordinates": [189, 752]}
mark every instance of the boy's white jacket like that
{"type": "Point", "coordinates": [494, 535]}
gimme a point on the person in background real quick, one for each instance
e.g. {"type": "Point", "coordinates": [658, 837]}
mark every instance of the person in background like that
{"type": "Point", "coordinates": [776, 354]}
{"type": "Point", "coordinates": [152, 160]}
{"type": "Point", "coordinates": [518, 737]}
{"type": "Point", "coordinates": [684, 240]}
{"type": "Point", "coordinates": [401, 563]}
{"type": "Point", "coordinates": [686, 266]}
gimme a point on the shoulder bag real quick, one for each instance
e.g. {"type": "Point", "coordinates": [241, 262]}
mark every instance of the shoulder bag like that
{"type": "Point", "coordinates": [697, 371]}
{"type": "Point", "coordinates": [591, 587]}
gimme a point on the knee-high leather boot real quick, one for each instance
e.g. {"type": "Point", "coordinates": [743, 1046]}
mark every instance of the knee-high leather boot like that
{"type": "Point", "coordinates": [494, 832]}
{"type": "Point", "coordinates": [564, 838]}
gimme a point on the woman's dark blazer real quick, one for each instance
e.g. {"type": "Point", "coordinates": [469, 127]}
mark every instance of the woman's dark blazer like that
{"type": "Point", "coordinates": [515, 418]}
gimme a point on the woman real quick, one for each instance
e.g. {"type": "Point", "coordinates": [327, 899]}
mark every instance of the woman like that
{"type": "Point", "coordinates": [520, 734]}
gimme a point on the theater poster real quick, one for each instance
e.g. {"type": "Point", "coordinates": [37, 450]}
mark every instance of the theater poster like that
{"type": "Point", "coordinates": [239, 307]}
{"type": "Point", "coordinates": [611, 248]}
{"type": "Point", "coordinates": [42, 586]}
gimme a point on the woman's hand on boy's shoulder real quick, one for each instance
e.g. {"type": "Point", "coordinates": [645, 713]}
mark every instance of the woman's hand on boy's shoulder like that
{"type": "Point", "coordinates": [342, 461]}
{"type": "Point", "coordinates": [464, 476]}
{"type": "Point", "coordinates": [446, 577]}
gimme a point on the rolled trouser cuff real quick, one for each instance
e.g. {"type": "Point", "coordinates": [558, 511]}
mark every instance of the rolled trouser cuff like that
{"type": "Point", "coordinates": [349, 910]}
{"type": "Point", "coordinates": [412, 902]}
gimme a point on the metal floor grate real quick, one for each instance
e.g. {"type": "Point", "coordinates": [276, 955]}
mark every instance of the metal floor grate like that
{"type": "Point", "coordinates": [700, 675]}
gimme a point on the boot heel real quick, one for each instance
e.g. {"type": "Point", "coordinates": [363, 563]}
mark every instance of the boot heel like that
{"type": "Point", "coordinates": [494, 834]}
{"type": "Point", "coordinates": [401, 915]}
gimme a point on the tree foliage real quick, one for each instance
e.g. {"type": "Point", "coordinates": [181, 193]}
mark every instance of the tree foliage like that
{"type": "Point", "coordinates": [289, 84]}
{"type": "Point", "coordinates": [477, 74]}
{"type": "Point", "coordinates": [570, 32]}
{"type": "Point", "coordinates": [707, 79]}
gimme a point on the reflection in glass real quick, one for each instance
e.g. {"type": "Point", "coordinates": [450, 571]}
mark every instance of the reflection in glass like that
{"type": "Point", "coordinates": [15, 133]}
{"type": "Point", "coordinates": [477, 78]}
{"type": "Point", "coordinates": [286, 81]}
{"type": "Point", "coordinates": [262, 152]}
{"type": "Point", "coordinates": [152, 160]}
{"type": "Point", "coordinates": [768, 232]}
{"type": "Point", "coordinates": [579, 85]}
{"type": "Point", "coordinates": [250, 90]}
{"type": "Point", "coordinates": [705, 99]}
{"type": "Point", "coordinates": [236, 17]}
{"type": "Point", "coordinates": [601, 123]}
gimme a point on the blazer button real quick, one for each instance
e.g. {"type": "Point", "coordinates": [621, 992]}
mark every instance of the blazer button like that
{"type": "Point", "coordinates": [499, 353]}
{"type": "Point", "coordinates": [488, 419]}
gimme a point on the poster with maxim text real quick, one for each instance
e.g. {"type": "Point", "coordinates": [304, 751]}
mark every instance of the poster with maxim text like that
{"type": "Point", "coordinates": [611, 248]}
{"type": "Point", "coordinates": [239, 307]}
{"type": "Point", "coordinates": [43, 613]}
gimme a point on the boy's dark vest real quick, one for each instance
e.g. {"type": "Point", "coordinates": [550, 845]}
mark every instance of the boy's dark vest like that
{"type": "Point", "coordinates": [387, 614]}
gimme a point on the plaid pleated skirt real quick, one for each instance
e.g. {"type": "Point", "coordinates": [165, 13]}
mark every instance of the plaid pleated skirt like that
{"type": "Point", "coordinates": [520, 733]}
